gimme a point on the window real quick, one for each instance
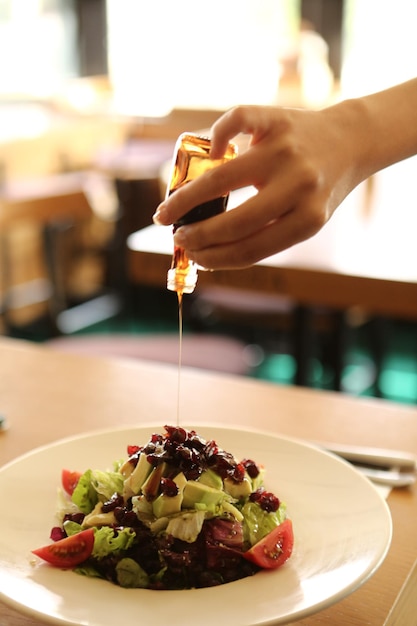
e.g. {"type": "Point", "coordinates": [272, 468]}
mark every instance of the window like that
{"type": "Point", "coordinates": [37, 46]}
{"type": "Point", "coordinates": [380, 44]}
{"type": "Point", "coordinates": [216, 54]}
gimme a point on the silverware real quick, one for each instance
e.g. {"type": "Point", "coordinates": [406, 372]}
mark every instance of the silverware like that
{"type": "Point", "coordinates": [390, 478]}
{"type": "Point", "coordinates": [393, 468]}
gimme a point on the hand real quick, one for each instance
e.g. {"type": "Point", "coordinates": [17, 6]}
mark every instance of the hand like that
{"type": "Point", "coordinates": [302, 164]}
{"type": "Point", "coordinates": [299, 164]}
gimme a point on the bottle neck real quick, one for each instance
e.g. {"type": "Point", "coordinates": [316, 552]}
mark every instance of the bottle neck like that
{"type": "Point", "coordinates": [182, 276]}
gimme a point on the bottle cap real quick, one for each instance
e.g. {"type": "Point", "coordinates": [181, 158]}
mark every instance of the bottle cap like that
{"type": "Point", "coordinates": [182, 281]}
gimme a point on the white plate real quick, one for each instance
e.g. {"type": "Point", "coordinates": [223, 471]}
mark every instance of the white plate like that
{"type": "Point", "coordinates": [342, 530]}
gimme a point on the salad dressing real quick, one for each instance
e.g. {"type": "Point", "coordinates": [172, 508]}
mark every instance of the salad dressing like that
{"type": "Point", "coordinates": [191, 158]}
{"type": "Point", "coordinates": [180, 333]}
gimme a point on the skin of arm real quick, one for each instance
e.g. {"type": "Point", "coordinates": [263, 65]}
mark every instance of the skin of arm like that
{"type": "Point", "coordinates": [302, 163]}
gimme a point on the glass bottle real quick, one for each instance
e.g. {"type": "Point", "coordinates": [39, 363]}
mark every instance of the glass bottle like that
{"type": "Point", "coordinates": [192, 158]}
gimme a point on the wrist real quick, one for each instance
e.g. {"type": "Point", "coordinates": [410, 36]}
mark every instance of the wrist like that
{"type": "Point", "coordinates": [387, 125]}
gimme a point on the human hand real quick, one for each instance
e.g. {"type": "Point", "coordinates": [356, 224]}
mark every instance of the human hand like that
{"type": "Point", "coordinates": [302, 164]}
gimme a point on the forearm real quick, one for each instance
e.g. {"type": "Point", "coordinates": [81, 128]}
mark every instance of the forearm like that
{"type": "Point", "coordinates": [383, 127]}
{"type": "Point", "coordinates": [302, 163]}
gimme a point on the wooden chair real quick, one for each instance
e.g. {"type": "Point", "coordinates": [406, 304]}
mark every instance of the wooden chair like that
{"type": "Point", "coordinates": [48, 204]}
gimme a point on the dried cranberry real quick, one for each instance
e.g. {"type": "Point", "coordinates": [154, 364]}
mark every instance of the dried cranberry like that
{"type": "Point", "coordinates": [195, 441]}
{"type": "Point", "coordinates": [266, 500]}
{"type": "Point", "coordinates": [131, 450]}
{"type": "Point", "coordinates": [78, 518]}
{"type": "Point", "coordinates": [239, 473]}
{"type": "Point", "coordinates": [154, 459]}
{"type": "Point", "coordinates": [57, 533]}
{"type": "Point", "coordinates": [176, 433]}
{"type": "Point", "coordinates": [251, 468]}
{"type": "Point", "coordinates": [169, 487]}
{"type": "Point", "coordinates": [193, 472]}
{"type": "Point", "coordinates": [124, 517]}
{"type": "Point", "coordinates": [115, 501]}
{"type": "Point", "coordinates": [149, 448]}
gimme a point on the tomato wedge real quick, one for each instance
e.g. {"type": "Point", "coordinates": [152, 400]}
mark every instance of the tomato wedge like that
{"type": "Point", "coordinates": [275, 549]}
{"type": "Point", "coordinates": [68, 552]}
{"type": "Point", "coordinates": [69, 480]}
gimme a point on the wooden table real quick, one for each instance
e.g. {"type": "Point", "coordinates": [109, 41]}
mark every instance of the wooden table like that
{"type": "Point", "coordinates": [364, 258]}
{"type": "Point", "coordinates": [47, 395]}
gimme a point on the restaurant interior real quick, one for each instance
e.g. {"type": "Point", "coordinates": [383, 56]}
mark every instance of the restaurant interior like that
{"type": "Point", "coordinates": [303, 365]}
{"type": "Point", "coordinates": [93, 95]}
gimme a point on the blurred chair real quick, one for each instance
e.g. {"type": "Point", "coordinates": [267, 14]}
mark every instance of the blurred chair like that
{"type": "Point", "coordinates": [275, 324]}
{"type": "Point", "coordinates": [264, 321]}
{"type": "Point", "coordinates": [51, 205]}
{"type": "Point", "coordinates": [134, 169]}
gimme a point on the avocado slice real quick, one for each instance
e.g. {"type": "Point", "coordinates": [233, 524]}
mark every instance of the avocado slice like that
{"type": "Point", "coordinates": [150, 487]}
{"type": "Point", "coordinates": [134, 482]}
{"type": "Point", "coordinates": [210, 478]}
{"type": "Point", "coordinates": [238, 490]}
{"type": "Point", "coordinates": [164, 505]}
{"type": "Point", "coordinates": [196, 492]}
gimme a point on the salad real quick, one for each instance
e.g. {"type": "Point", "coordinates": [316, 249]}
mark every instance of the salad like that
{"type": "Point", "coordinates": [179, 513]}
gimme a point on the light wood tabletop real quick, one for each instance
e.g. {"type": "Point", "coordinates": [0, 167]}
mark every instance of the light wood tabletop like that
{"type": "Point", "coordinates": [364, 257]}
{"type": "Point", "coordinates": [43, 199]}
{"type": "Point", "coordinates": [46, 395]}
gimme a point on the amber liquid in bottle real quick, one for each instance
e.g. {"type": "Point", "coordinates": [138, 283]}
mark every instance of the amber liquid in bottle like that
{"type": "Point", "coordinates": [191, 158]}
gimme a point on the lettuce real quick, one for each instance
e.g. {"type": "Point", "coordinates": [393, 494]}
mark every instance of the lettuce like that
{"type": "Point", "coordinates": [259, 523]}
{"type": "Point", "coordinates": [107, 540]}
{"type": "Point", "coordinates": [130, 574]}
{"type": "Point", "coordinates": [107, 483]}
{"type": "Point", "coordinates": [84, 494]}
{"type": "Point", "coordinates": [95, 485]}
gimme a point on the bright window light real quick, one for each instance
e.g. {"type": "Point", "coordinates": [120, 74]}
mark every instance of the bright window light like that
{"type": "Point", "coordinates": [37, 47]}
{"type": "Point", "coordinates": [189, 54]}
{"type": "Point", "coordinates": [380, 45]}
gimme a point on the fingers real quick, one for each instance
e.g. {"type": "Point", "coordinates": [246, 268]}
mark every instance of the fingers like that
{"type": "Point", "coordinates": [247, 169]}
{"type": "Point", "coordinates": [283, 163]}
{"type": "Point", "coordinates": [252, 120]}
{"type": "Point", "coordinates": [242, 119]}
{"type": "Point", "coordinates": [270, 203]}
{"type": "Point", "coordinates": [291, 228]}
{"type": "Point", "coordinates": [219, 181]}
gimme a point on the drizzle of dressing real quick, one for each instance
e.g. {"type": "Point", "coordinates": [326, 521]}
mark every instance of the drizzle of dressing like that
{"type": "Point", "coordinates": [180, 333]}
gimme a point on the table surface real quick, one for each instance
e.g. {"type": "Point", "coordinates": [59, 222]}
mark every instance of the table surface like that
{"type": "Point", "coordinates": [42, 199]}
{"type": "Point", "coordinates": [91, 393]}
{"type": "Point", "coordinates": [365, 256]}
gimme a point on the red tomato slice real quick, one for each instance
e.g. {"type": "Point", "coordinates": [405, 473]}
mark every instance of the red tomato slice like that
{"type": "Point", "coordinates": [273, 550]}
{"type": "Point", "coordinates": [69, 552]}
{"type": "Point", "coordinates": [69, 480]}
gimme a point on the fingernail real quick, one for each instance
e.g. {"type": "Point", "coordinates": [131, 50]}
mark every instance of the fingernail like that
{"type": "Point", "coordinates": [159, 217]}
{"type": "Point", "coordinates": [180, 237]}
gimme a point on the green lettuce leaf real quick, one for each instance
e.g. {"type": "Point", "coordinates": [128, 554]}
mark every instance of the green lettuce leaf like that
{"type": "Point", "coordinates": [107, 540]}
{"type": "Point", "coordinates": [84, 495]}
{"type": "Point", "coordinates": [106, 483]}
{"type": "Point", "coordinates": [130, 574]}
{"type": "Point", "coordinates": [258, 523]}
{"type": "Point", "coordinates": [95, 485]}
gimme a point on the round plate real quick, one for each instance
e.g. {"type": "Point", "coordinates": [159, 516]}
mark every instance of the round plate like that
{"type": "Point", "coordinates": [342, 529]}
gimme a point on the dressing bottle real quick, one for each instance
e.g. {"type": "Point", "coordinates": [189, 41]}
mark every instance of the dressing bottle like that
{"type": "Point", "coordinates": [192, 158]}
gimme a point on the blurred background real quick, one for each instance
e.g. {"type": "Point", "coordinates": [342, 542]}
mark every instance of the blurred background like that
{"type": "Point", "coordinates": [93, 94]}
